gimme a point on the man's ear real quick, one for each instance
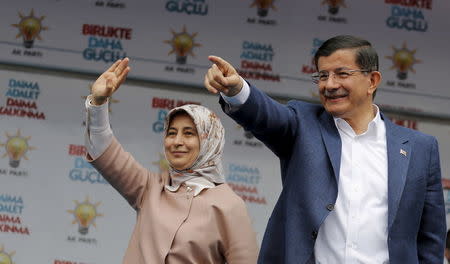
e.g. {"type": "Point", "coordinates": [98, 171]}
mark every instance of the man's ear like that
{"type": "Point", "coordinates": [375, 80]}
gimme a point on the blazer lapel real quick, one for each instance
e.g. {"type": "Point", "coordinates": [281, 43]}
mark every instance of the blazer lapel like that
{"type": "Point", "coordinates": [398, 154]}
{"type": "Point", "coordinates": [332, 141]}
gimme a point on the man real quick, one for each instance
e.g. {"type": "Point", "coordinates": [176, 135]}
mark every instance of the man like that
{"type": "Point", "coordinates": [356, 187]}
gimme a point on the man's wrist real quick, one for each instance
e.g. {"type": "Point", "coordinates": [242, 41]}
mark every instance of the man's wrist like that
{"type": "Point", "coordinates": [239, 98]}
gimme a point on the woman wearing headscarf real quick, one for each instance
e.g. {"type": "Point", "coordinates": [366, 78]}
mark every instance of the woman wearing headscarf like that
{"type": "Point", "coordinates": [185, 215]}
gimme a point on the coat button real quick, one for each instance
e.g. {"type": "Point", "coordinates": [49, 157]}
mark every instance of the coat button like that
{"type": "Point", "coordinates": [314, 234]}
{"type": "Point", "coordinates": [330, 207]}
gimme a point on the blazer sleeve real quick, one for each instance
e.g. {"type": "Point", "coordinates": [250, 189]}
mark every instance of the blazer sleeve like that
{"type": "Point", "coordinates": [432, 232]}
{"type": "Point", "coordinates": [273, 123]}
{"type": "Point", "coordinates": [123, 172]}
{"type": "Point", "coordinates": [240, 246]}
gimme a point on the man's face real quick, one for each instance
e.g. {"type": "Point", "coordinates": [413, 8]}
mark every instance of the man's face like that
{"type": "Point", "coordinates": [345, 95]}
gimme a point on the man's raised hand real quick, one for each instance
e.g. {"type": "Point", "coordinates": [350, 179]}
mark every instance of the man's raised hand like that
{"type": "Point", "coordinates": [222, 77]}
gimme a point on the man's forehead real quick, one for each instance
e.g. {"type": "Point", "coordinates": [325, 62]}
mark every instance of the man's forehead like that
{"type": "Point", "coordinates": [338, 69]}
{"type": "Point", "coordinates": [344, 59]}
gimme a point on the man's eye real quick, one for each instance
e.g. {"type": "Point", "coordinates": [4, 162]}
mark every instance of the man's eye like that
{"type": "Point", "coordinates": [343, 74]}
{"type": "Point", "coordinates": [323, 76]}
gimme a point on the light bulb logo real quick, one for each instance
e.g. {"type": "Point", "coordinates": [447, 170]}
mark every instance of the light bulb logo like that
{"type": "Point", "coordinates": [263, 6]}
{"type": "Point", "coordinates": [6, 258]}
{"type": "Point", "coordinates": [85, 214]}
{"type": "Point", "coordinates": [334, 5]}
{"type": "Point", "coordinates": [182, 45]}
{"type": "Point", "coordinates": [16, 147]}
{"type": "Point", "coordinates": [403, 60]}
{"type": "Point", "coordinates": [29, 28]}
{"type": "Point", "coordinates": [162, 163]}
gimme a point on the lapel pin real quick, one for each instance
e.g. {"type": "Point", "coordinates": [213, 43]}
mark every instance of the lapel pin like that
{"type": "Point", "coordinates": [403, 152]}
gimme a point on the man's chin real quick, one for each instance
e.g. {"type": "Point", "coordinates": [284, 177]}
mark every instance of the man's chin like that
{"type": "Point", "coordinates": [337, 112]}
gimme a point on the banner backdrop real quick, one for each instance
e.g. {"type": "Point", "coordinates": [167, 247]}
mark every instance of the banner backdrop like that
{"type": "Point", "coordinates": [270, 42]}
{"type": "Point", "coordinates": [46, 183]}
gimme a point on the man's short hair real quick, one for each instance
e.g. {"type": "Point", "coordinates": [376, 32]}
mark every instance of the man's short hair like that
{"type": "Point", "coordinates": [366, 56]}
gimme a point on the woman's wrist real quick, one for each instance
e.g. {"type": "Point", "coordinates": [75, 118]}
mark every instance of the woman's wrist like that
{"type": "Point", "coordinates": [99, 100]}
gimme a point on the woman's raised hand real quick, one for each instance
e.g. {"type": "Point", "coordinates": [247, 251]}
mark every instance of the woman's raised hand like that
{"type": "Point", "coordinates": [109, 81]}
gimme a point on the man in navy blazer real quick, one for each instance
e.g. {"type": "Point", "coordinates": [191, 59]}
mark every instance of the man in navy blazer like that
{"type": "Point", "coordinates": [356, 187]}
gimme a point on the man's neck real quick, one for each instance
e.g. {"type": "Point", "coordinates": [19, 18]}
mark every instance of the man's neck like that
{"type": "Point", "coordinates": [360, 122]}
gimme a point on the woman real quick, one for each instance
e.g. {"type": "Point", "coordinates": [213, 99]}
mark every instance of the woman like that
{"type": "Point", "coordinates": [188, 215]}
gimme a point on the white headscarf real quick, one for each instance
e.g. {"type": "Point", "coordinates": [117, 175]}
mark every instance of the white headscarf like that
{"type": "Point", "coordinates": [207, 168]}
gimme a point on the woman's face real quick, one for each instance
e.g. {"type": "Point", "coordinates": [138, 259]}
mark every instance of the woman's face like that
{"type": "Point", "coordinates": [182, 143]}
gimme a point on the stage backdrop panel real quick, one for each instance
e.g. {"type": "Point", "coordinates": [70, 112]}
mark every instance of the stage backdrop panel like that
{"type": "Point", "coordinates": [271, 43]}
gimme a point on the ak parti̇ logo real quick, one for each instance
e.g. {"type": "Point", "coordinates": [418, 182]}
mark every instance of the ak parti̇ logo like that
{"type": "Point", "coordinates": [85, 214]}
{"type": "Point", "coordinates": [403, 60]}
{"type": "Point", "coordinates": [182, 44]}
{"type": "Point", "coordinates": [334, 5]}
{"type": "Point", "coordinates": [6, 258]}
{"type": "Point", "coordinates": [16, 147]}
{"type": "Point", "coordinates": [30, 28]}
{"type": "Point", "coordinates": [263, 7]}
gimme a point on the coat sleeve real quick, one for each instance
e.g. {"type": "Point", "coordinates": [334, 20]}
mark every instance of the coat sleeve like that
{"type": "Point", "coordinates": [273, 123]}
{"type": "Point", "coordinates": [123, 172]}
{"type": "Point", "coordinates": [432, 232]}
{"type": "Point", "coordinates": [239, 238]}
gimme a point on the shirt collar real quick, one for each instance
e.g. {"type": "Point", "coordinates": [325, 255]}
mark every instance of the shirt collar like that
{"type": "Point", "coordinates": [196, 183]}
{"type": "Point", "coordinates": [374, 130]}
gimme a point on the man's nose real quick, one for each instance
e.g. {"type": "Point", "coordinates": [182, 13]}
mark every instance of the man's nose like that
{"type": "Point", "coordinates": [331, 82]}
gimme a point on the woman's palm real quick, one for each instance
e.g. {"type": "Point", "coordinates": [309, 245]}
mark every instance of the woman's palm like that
{"type": "Point", "coordinates": [111, 79]}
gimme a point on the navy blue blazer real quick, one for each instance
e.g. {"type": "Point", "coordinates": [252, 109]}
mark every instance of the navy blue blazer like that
{"type": "Point", "coordinates": [306, 140]}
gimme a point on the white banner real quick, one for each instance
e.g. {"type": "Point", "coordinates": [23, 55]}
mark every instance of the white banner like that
{"type": "Point", "coordinates": [270, 42]}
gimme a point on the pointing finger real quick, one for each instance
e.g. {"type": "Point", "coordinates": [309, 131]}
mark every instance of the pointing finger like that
{"type": "Point", "coordinates": [222, 64]}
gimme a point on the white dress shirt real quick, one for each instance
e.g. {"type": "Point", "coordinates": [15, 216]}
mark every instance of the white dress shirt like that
{"type": "Point", "coordinates": [356, 230]}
